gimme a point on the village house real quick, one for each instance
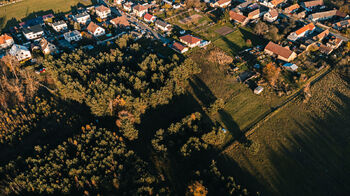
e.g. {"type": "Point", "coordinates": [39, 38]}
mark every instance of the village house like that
{"type": "Point", "coordinates": [139, 10]}
{"type": "Point", "coordinates": [103, 11]}
{"type": "Point", "coordinates": [244, 5]}
{"type": "Point", "coordinates": [6, 41]}
{"type": "Point", "coordinates": [273, 3]}
{"type": "Point", "coordinates": [221, 3]}
{"type": "Point", "coordinates": [162, 25]}
{"type": "Point", "coordinates": [95, 30]}
{"type": "Point", "coordinates": [322, 35]}
{"type": "Point", "coordinates": [290, 66]}
{"type": "Point", "coordinates": [341, 25]}
{"type": "Point", "coordinates": [282, 53]}
{"type": "Point", "coordinates": [47, 47]}
{"type": "Point", "coordinates": [309, 5]}
{"type": "Point", "coordinates": [307, 29]}
{"type": "Point", "coordinates": [128, 6]}
{"type": "Point", "coordinates": [59, 26]}
{"type": "Point", "coordinates": [292, 8]}
{"type": "Point", "coordinates": [238, 18]}
{"type": "Point", "coordinates": [118, 2]}
{"type": "Point", "coordinates": [72, 36]}
{"type": "Point", "coordinates": [20, 52]}
{"type": "Point", "coordinates": [149, 18]}
{"type": "Point", "coordinates": [325, 49]}
{"type": "Point", "coordinates": [271, 15]}
{"type": "Point", "coordinates": [190, 40]}
{"type": "Point", "coordinates": [33, 32]}
{"type": "Point", "coordinates": [326, 15]}
{"type": "Point", "coordinates": [120, 22]}
{"type": "Point", "coordinates": [334, 43]}
{"type": "Point", "coordinates": [255, 14]}
{"type": "Point", "coordinates": [82, 18]}
{"type": "Point", "coordinates": [179, 47]}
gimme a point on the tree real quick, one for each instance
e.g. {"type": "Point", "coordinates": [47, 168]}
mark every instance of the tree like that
{"type": "Point", "coordinates": [271, 73]}
{"type": "Point", "coordinates": [197, 189]}
{"type": "Point", "coordinates": [261, 28]}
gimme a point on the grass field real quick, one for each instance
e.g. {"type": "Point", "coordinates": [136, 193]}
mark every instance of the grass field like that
{"type": "Point", "coordinates": [9, 15]}
{"type": "Point", "coordinates": [237, 41]}
{"type": "Point", "coordinates": [304, 149]}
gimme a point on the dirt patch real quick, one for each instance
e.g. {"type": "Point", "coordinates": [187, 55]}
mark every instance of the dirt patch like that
{"type": "Point", "coordinates": [191, 19]}
{"type": "Point", "coordinates": [224, 31]}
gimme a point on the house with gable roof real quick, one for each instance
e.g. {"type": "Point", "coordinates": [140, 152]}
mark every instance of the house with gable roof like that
{"type": "Point", "coordinates": [103, 11]}
{"type": "Point", "coordinates": [6, 41]}
{"type": "Point", "coordinates": [95, 30]}
{"type": "Point", "coordinates": [190, 40]}
{"type": "Point", "coordinates": [307, 29]}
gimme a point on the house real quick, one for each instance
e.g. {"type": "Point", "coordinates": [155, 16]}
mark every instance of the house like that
{"type": "Point", "coordinates": [292, 8]}
{"type": "Point", "coordinates": [72, 36]}
{"type": "Point", "coordinates": [325, 49]}
{"type": "Point", "coordinates": [82, 18]}
{"type": "Point", "coordinates": [149, 18]}
{"type": "Point", "coordinates": [271, 15]}
{"type": "Point", "coordinates": [20, 52]}
{"type": "Point", "coordinates": [48, 17]}
{"type": "Point", "coordinates": [282, 53]}
{"type": "Point", "coordinates": [118, 2]}
{"type": "Point", "coordinates": [128, 6]}
{"type": "Point", "coordinates": [273, 3]}
{"type": "Point", "coordinates": [309, 5]}
{"type": "Point", "coordinates": [179, 47]}
{"type": "Point", "coordinates": [291, 66]}
{"type": "Point", "coordinates": [103, 11]}
{"type": "Point", "coordinates": [162, 25]}
{"type": "Point", "coordinates": [326, 15]}
{"type": "Point", "coordinates": [47, 47]}
{"type": "Point", "coordinates": [334, 43]}
{"type": "Point", "coordinates": [255, 14]}
{"type": "Point", "coordinates": [307, 29]}
{"type": "Point", "coordinates": [190, 40]}
{"type": "Point", "coordinates": [120, 21]}
{"type": "Point", "coordinates": [221, 3]}
{"type": "Point", "coordinates": [33, 32]}
{"type": "Point", "coordinates": [244, 5]}
{"type": "Point", "coordinates": [6, 41]}
{"type": "Point", "coordinates": [95, 30]}
{"type": "Point", "coordinates": [239, 18]}
{"type": "Point", "coordinates": [59, 26]}
{"type": "Point", "coordinates": [139, 10]}
{"type": "Point", "coordinates": [341, 25]}
{"type": "Point", "coordinates": [322, 35]}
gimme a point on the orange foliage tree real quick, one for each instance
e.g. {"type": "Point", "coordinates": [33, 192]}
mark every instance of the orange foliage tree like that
{"type": "Point", "coordinates": [271, 73]}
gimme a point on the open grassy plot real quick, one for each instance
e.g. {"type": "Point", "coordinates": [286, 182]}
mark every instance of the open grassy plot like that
{"type": "Point", "coordinates": [242, 106]}
{"type": "Point", "coordinates": [237, 41]}
{"type": "Point", "coordinates": [9, 15]}
{"type": "Point", "coordinates": [304, 149]}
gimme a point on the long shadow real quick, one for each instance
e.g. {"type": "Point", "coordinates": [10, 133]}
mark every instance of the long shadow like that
{"type": "Point", "coordinates": [256, 40]}
{"type": "Point", "coordinates": [202, 91]}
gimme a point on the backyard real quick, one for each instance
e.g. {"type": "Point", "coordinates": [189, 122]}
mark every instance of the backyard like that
{"type": "Point", "coordinates": [11, 14]}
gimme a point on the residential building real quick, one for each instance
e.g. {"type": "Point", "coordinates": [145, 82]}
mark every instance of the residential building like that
{"type": "Point", "coordinates": [103, 11]}
{"type": "Point", "coordinates": [334, 43]}
{"type": "Point", "coordinates": [255, 14]}
{"type": "Point", "coordinates": [118, 2]}
{"type": "Point", "coordinates": [221, 3]}
{"type": "Point", "coordinates": [72, 36]}
{"type": "Point", "coordinates": [322, 35]}
{"type": "Point", "coordinates": [276, 3]}
{"type": "Point", "coordinates": [239, 18]}
{"type": "Point", "coordinates": [47, 47]}
{"type": "Point", "coordinates": [309, 5]}
{"type": "Point", "coordinates": [128, 6]}
{"type": "Point", "coordinates": [292, 8]}
{"type": "Point", "coordinates": [291, 66]}
{"type": "Point", "coordinates": [162, 25]}
{"type": "Point", "coordinates": [82, 18]}
{"type": "Point", "coordinates": [282, 53]}
{"type": "Point", "coordinates": [190, 41]}
{"type": "Point", "coordinates": [342, 24]}
{"type": "Point", "coordinates": [33, 32]}
{"type": "Point", "coordinates": [149, 18]}
{"type": "Point", "coordinates": [326, 15]}
{"type": "Point", "coordinates": [325, 49]}
{"type": "Point", "coordinates": [6, 41]}
{"type": "Point", "coordinates": [120, 21]}
{"type": "Point", "coordinates": [271, 15]}
{"type": "Point", "coordinates": [307, 29]}
{"type": "Point", "coordinates": [139, 10]}
{"type": "Point", "coordinates": [179, 47]}
{"type": "Point", "coordinates": [95, 30]}
{"type": "Point", "coordinates": [59, 26]}
{"type": "Point", "coordinates": [20, 52]}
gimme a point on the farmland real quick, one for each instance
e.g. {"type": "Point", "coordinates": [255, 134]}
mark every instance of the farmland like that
{"type": "Point", "coordinates": [9, 15]}
{"type": "Point", "coordinates": [302, 150]}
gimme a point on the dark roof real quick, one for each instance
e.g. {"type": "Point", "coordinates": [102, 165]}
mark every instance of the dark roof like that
{"type": "Point", "coordinates": [58, 23]}
{"type": "Point", "coordinates": [161, 23]}
{"type": "Point", "coordinates": [34, 29]}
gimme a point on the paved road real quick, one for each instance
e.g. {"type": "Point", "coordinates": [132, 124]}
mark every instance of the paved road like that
{"type": "Point", "coordinates": [139, 23]}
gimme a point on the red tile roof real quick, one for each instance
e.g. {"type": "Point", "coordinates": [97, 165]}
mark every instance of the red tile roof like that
{"type": "Point", "coordinates": [92, 27]}
{"type": "Point", "coordinates": [308, 27]}
{"type": "Point", "coordinates": [237, 17]}
{"type": "Point", "coordinates": [278, 50]}
{"type": "Point", "coordinates": [277, 2]}
{"type": "Point", "coordinates": [221, 2]}
{"type": "Point", "coordinates": [313, 3]}
{"type": "Point", "coordinates": [139, 8]}
{"type": "Point", "coordinates": [102, 8]}
{"type": "Point", "coordinates": [273, 13]}
{"type": "Point", "coordinates": [4, 38]}
{"type": "Point", "coordinates": [178, 46]}
{"type": "Point", "coordinates": [121, 20]}
{"type": "Point", "coordinates": [323, 34]}
{"type": "Point", "coordinates": [190, 39]}
{"type": "Point", "coordinates": [292, 8]}
{"type": "Point", "coordinates": [254, 13]}
{"type": "Point", "coordinates": [148, 16]}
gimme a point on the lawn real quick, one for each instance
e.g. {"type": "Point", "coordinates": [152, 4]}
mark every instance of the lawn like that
{"type": "Point", "coordinates": [303, 150]}
{"type": "Point", "coordinates": [237, 41]}
{"type": "Point", "coordinates": [11, 14]}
